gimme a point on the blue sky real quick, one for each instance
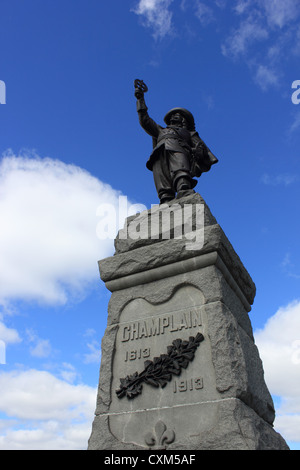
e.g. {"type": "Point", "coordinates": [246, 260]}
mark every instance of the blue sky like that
{"type": "Point", "coordinates": [70, 141]}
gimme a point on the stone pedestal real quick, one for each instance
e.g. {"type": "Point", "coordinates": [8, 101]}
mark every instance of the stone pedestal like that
{"type": "Point", "coordinates": [179, 367]}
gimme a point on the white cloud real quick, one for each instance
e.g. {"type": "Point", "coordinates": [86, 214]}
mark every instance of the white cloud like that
{"type": "Point", "coordinates": [266, 76]}
{"type": "Point", "coordinates": [265, 35]}
{"type": "Point", "coordinates": [242, 5]}
{"type": "Point", "coordinates": [288, 267]}
{"type": "Point", "coordinates": [41, 348]}
{"type": "Point", "coordinates": [280, 12]}
{"type": "Point", "coordinates": [279, 346]}
{"type": "Point", "coordinates": [94, 354]}
{"type": "Point", "coordinates": [289, 425]}
{"type": "Point", "coordinates": [68, 372]}
{"type": "Point", "coordinates": [204, 13]}
{"type": "Point", "coordinates": [295, 126]}
{"type": "Point", "coordinates": [156, 15]}
{"type": "Point", "coordinates": [283, 179]}
{"type": "Point", "coordinates": [221, 3]}
{"type": "Point", "coordinates": [48, 243]}
{"type": "Point", "coordinates": [45, 412]}
{"type": "Point", "coordinates": [39, 395]}
{"type": "Point", "coordinates": [250, 31]}
{"type": "Point", "coordinates": [296, 43]}
{"type": "Point", "coordinates": [93, 346]}
{"type": "Point", "coordinates": [8, 335]}
{"type": "Point", "coordinates": [271, 25]}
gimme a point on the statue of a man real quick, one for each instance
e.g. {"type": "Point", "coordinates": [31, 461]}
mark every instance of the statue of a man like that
{"type": "Point", "coordinates": [179, 154]}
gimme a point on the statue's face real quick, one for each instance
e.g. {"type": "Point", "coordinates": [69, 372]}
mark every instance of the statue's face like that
{"type": "Point", "coordinates": [177, 120]}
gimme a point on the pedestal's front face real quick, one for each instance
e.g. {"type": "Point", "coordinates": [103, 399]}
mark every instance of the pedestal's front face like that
{"type": "Point", "coordinates": [146, 331]}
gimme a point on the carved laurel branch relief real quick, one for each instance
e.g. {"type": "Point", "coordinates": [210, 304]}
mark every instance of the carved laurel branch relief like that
{"type": "Point", "coordinates": [159, 372]}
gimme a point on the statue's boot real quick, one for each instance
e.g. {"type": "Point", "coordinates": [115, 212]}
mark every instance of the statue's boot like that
{"type": "Point", "coordinates": [184, 186]}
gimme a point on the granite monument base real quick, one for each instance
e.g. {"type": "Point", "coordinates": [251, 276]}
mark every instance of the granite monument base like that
{"type": "Point", "coordinates": [179, 367]}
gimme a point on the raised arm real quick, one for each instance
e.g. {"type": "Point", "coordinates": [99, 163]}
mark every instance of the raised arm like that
{"type": "Point", "coordinates": [147, 123]}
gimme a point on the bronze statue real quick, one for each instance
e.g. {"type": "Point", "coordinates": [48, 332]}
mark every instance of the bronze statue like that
{"type": "Point", "coordinates": [179, 154]}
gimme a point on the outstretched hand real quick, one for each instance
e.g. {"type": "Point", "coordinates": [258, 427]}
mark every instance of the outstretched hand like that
{"type": "Point", "coordinates": [140, 88]}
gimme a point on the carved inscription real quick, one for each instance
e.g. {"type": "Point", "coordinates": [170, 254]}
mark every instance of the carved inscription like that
{"type": "Point", "coordinates": [137, 354]}
{"type": "Point", "coordinates": [161, 324]}
{"type": "Point", "coordinates": [189, 384]}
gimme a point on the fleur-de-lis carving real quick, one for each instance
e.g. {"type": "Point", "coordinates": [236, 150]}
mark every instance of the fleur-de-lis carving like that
{"type": "Point", "coordinates": [161, 436]}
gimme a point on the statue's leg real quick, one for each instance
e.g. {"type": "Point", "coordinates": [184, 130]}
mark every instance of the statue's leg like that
{"type": "Point", "coordinates": [179, 164]}
{"type": "Point", "coordinates": [162, 179]}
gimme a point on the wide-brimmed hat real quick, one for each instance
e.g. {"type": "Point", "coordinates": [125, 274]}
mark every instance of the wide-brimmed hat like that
{"type": "Point", "coordinates": [187, 114]}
